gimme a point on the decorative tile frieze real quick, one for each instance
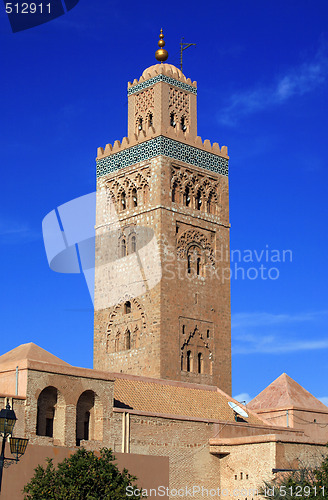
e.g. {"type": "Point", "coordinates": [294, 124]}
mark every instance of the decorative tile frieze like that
{"type": "Point", "coordinates": [166, 147]}
{"type": "Point", "coordinates": [161, 78]}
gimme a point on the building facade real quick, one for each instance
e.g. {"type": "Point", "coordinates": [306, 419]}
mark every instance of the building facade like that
{"type": "Point", "coordinates": [159, 391]}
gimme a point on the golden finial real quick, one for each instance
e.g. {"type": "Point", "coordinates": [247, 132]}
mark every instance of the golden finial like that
{"type": "Point", "coordinates": [161, 54]}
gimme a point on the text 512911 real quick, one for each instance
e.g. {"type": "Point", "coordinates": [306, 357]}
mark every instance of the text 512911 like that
{"type": "Point", "coordinates": [297, 491]}
{"type": "Point", "coordinates": [27, 8]}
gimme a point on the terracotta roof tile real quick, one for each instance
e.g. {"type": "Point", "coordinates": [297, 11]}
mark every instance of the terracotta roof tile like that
{"type": "Point", "coordinates": [166, 397]}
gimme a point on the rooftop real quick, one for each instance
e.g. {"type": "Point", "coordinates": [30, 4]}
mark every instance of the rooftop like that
{"type": "Point", "coordinates": [31, 352]}
{"type": "Point", "coordinates": [284, 392]}
{"type": "Point", "coordinates": [176, 398]}
{"type": "Point", "coordinates": [163, 69]}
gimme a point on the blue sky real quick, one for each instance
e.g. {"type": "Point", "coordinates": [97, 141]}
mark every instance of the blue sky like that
{"type": "Point", "coordinates": [262, 73]}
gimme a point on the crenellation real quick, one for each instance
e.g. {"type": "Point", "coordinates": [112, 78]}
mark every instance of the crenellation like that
{"type": "Point", "coordinates": [150, 133]}
{"type": "Point", "coordinates": [162, 69]}
{"type": "Point", "coordinates": [116, 146]}
{"type": "Point", "coordinates": [108, 149]}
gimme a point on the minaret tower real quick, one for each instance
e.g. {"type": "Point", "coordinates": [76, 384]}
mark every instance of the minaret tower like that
{"type": "Point", "coordinates": [162, 283]}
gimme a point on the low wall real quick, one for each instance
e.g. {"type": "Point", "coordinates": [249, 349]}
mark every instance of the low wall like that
{"type": "Point", "coordinates": [151, 471]}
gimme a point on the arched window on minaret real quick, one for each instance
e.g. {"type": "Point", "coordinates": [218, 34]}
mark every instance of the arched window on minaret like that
{"type": "Point", "coordinates": [127, 307]}
{"type": "Point", "coordinates": [123, 247]}
{"type": "Point", "coordinates": [174, 192]}
{"type": "Point", "coordinates": [195, 260]}
{"type": "Point", "coordinates": [150, 119]}
{"type": "Point", "coordinates": [209, 204]}
{"type": "Point", "coordinates": [111, 203]}
{"type": "Point", "coordinates": [172, 120]}
{"type": "Point", "coordinates": [127, 339]}
{"type": "Point", "coordinates": [189, 361]}
{"type": "Point", "coordinates": [189, 264]}
{"type": "Point", "coordinates": [139, 124]}
{"type": "Point", "coordinates": [198, 200]}
{"type": "Point", "coordinates": [145, 193]}
{"type": "Point", "coordinates": [181, 361]}
{"type": "Point", "coordinates": [183, 124]}
{"type": "Point", "coordinates": [200, 360]}
{"type": "Point", "coordinates": [133, 244]}
{"type": "Point", "coordinates": [123, 200]}
{"type": "Point", "coordinates": [187, 198]}
{"type": "Point", "coordinates": [198, 266]}
{"type": "Point", "coordinates": [134, 197]}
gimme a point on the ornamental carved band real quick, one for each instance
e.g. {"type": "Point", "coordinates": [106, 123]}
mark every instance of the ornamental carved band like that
{"type": "Point", "coordinates": [162, 146]}
{"type": "Point", "coordinates": [161, 78]}
{"type": "Point", "coordinates": [127, 184]}
{"type": "Point", "coordinates": [196, 337]}
{"type": "Point", "coordinates": [179, 101]}
{"type": "Point", "coordinates": [126, 326]}
{"type": "Point", "coordinates": [191, 238]}
{"type": "Point", "coordinates": [144, 101]}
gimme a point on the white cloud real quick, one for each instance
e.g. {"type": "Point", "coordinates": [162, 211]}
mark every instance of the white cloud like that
{"type": "Point", "coordinates": [242, 397]}
{"type": "Point", "coordinates": [268, 319]}
{"type": "Point", "coordinates": [279, 346]}
{"type": "Point", "coordinates": [14, 232]}
{"type": "Point", "coordinates": [5, 231]}
{"type": "Point", "coordinates": [295, 82]}
{"type": "Point", "coordinates": [262, 332]}
{"type": "Point", "coordinates": [302, 80]}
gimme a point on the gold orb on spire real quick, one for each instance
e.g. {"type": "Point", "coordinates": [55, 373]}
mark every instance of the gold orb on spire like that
{"type": "Point", "coordinates": [161, 54]}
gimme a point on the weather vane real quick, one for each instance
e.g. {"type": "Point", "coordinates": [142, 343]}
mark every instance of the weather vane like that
{"type": "Point", "coordinates": [184, 46]}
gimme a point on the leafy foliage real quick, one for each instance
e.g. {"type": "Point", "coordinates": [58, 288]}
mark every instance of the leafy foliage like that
{"type": "Point", "coordinates": [82, 476]}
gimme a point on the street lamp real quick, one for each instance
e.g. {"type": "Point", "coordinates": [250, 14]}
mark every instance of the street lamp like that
{"type": "Point", "coordinates": [17, 445]}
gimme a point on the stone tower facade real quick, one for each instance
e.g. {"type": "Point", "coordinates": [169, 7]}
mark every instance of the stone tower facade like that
{"type": "Point", "coordinates": [162, 282]}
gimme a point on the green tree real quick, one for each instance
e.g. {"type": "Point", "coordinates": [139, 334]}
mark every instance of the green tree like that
{"type": "Point", "coordinates": [306, 483]}
{"type": "Point", "coordinates": [82, 476]}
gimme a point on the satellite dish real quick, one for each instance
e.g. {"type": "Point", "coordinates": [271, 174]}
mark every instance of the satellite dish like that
{"type": "Point", "coordinates": [237, 410]}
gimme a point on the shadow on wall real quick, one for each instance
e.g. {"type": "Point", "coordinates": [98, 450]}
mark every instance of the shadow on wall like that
{"type": "Point", "coordinates": [51, 411]}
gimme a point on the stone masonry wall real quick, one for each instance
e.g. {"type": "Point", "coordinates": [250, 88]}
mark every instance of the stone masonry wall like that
{"type": "Point", "coordinates": [202, 301]}
{"type": "Point", "coordinates": [184, 442]}
{"type": "Point", "coordinates": [69, 388]}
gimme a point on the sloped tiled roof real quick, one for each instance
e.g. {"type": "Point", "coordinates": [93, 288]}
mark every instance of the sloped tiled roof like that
{"type": "Point", "coordinates": [31, 352]}
{"type": "Point", "coordinates": [284, 392]}
{"type": "Point", "coordinates": [171, 398]}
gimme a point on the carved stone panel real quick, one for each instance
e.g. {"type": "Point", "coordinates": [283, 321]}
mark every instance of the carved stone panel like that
{"type": "Point", "coordinates": [126, 326]}
{"type": "Point", "coordinates": [196, 338]}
